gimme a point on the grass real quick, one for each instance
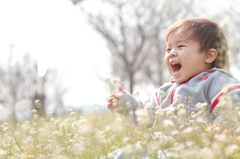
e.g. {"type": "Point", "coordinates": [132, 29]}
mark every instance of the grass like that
{"type": "Point", "coordinates": [96, 134]}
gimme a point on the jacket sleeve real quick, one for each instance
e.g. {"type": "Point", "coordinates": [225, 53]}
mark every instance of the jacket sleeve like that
{"type": "Point", "coordinates": [128, 105]}
{"type": "Point", "coordinates": [227, 110]}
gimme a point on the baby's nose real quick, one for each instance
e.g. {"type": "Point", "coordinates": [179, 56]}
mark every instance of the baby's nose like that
{"type": "Point", "coordinates": [173, 53]}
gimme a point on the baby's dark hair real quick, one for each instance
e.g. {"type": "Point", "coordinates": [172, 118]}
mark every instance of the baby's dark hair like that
{"type": "Point", "coordinates": [207, 33]}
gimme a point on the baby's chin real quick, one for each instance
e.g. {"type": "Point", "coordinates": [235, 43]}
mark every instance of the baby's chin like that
{"type": "Point", "coordinates": [180, 80]}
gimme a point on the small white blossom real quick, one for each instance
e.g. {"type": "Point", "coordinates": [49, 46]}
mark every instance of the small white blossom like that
{"type": "Point", "coordinates": [175, 133]}
{"type": "Point", "coordinates": [180, 106]}
{"type": "Point", "coordinates": [170, 113]}
{"type": "Point", "coordinates": [191, 122]}
{"type": "Point", "coordinates": [182, 112]}
{"type": "Point", "coordinates": [161, 93]}
{"type": "Point", "coordinates": [177, 99]}
{"type": "Point", "coordinates": [217, 129]}
{"type": "Point", "coordinates": [115, 80]}
{"type": "Point", "coordinates": [221, 137]}
{"type": "Point", "coordinates": [160, 112]}
{"type": "Point", "coordinates": [168, 123]}
{"type": "Point", "coordinates": [181, 127]}
{"type": "Point", "coordinates": [230, 149]}
{"type": "Point", "coordinates": [188, 130]}
{"type": "Point", "coordinates": [34, 111]}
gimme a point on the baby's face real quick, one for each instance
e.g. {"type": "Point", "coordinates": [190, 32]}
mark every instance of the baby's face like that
{"type": "Point", "coordinates": [183, 58]}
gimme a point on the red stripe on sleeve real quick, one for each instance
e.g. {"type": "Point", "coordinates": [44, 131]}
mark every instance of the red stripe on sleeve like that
{"type": "Point", "coordinates": [215, 102]}
{"type": "Point", "coordinates": [157, 98]}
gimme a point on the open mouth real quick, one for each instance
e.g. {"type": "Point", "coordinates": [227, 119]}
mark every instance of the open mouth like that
{"type": "Point", "coordinates": [176, 67]}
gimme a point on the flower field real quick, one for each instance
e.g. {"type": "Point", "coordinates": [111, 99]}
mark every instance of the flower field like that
{"type": "Point", "coordinates": [96, 134]}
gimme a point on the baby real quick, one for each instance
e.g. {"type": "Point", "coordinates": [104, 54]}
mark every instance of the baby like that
{"type": "Point", "coordinates": [196, 58]}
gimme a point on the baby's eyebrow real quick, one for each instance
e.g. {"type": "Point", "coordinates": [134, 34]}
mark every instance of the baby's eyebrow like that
{"type": "Point", "coordinates": [183, 40]}
{"type": "Point", "coordinates": [178, 41]}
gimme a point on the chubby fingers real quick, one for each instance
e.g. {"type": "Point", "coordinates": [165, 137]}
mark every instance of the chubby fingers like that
{"type": "Point", "coordinates": [116, 95]}
{"type": "Point", "coordinates": [110, 100]}
{"type": "Point", "coordinates": [120, 88]}
{"type": "Point", "coordinates": [112, 103]}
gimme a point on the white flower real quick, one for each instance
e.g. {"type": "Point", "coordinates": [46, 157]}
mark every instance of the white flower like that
{"type": "Point", "coordinates": [168, 123]}
{"type": "Point", "coordinates": [182, 112]}
{"type": "Point", "coordinates": [157, 134]}
{"type": "Point", "coordinates": [5, 129]}
{"type": "Point", "coordinates": [35, 116]}
{"type": "Point", "coordinates": [177, 99]}
{"type": "Point", "coordinates": [237, 130]}
{"type": "Point", "coordinates": [191, 122]}
{"type": "Point", "coordinates": [194, 115]}
{"type": "Point", "coordinates": [230, 149]}
{"type": "Point", "coordinates": [238, 138]}
{"type": "Point", "coordinates": [206, 153]}
{"type": "Point", "coordinates": [200, 120]}
{"type": "Point", "coordinates": [136, 93]}
{"type": "Point", "coordinates": [34, 111]}
{"type": "Point", "coordinates": [160, 112]}
{"type": "Point", "coordinates": [115, 80]}
{"type": "Point", "coordinates": [157, 107]}
{"type": "Point", "coordinates": [217, 129]}
{"type": "Point", "coordinates": [170, 113]}
{"type": "Point", "coordinates": [221, 137]}
{"type": "Point", "coordinates": [175, 132]}
{"type": "Point", "coordinates": [188, 130]}
{"type": "Point", "coordinates": [72, 113]}
{"type": "Point", "coordinates": [2, 152]}
{"type": "Point", "coordinates": [142, 116]}
{"type": "Point", "coordinates": [201, 106]}
{"type": "Point", "coordinates": [33, 132]}
{"type": "Point", "coordinates": [37, 102]}
{"type": "Point", "coordinates": [181, 127]}
{"type": "Point", "coordinates": [139, 145]}
{"type": "Point", "coordinates": [180, 106]}
{"type": "Point", "coordinates": [161, 93]}
{"type": "Point", "coordinates": [52, 112]}
{"type": "Point", "coordinates": [148, 106]}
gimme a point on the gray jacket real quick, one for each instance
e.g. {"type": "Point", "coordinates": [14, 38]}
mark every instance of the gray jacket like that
{"type": "Point", "coordinates": [206, 87]}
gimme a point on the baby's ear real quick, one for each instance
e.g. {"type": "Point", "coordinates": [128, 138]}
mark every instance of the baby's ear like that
{"type": "Point", "coordinates": [211, 55]}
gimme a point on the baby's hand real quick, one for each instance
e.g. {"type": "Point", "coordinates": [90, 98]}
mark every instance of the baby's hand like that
{"type": "Point", "coordinates": [113, 101]}
{"type": "Point", "coordinates": [216, 128]}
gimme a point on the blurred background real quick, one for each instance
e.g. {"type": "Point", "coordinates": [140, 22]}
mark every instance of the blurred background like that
{"type": "Point", "coordinates": [71, 54]}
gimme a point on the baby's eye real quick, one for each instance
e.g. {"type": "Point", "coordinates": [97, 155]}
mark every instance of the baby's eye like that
{"type": "Point", "coordinates": [168, 50]}
{"type": "Point", "coordinates": [180, 46]}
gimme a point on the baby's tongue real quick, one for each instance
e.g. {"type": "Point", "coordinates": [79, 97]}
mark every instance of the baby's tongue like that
{"type": "Point", "coordinates": [176, 67]}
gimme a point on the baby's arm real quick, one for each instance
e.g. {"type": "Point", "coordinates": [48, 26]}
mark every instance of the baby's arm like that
{"type": "Point", "coordinates": [226, 112]}
{"type": "Point", "coordinates": [113, 101]}
{"type": "Point", "coordinates": [124, 103]}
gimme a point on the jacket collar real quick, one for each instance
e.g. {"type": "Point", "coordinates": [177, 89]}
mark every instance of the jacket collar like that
{"type": "Point", "coordinates": [172, 80]}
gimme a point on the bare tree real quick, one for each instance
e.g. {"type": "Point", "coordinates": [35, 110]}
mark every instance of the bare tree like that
{"type": "Point", "coordinates": [11, 75]}
{"type": "Point", "coordinates": [134, 31]}
{"type": "Point", "coordinates": [56, 89]}
{"type": "Point", "coordinates": [232, 30]}
{"type": "Point", "coordinates": [19, 80]}
{"type": "Point", "coordinates": [16, 80]}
